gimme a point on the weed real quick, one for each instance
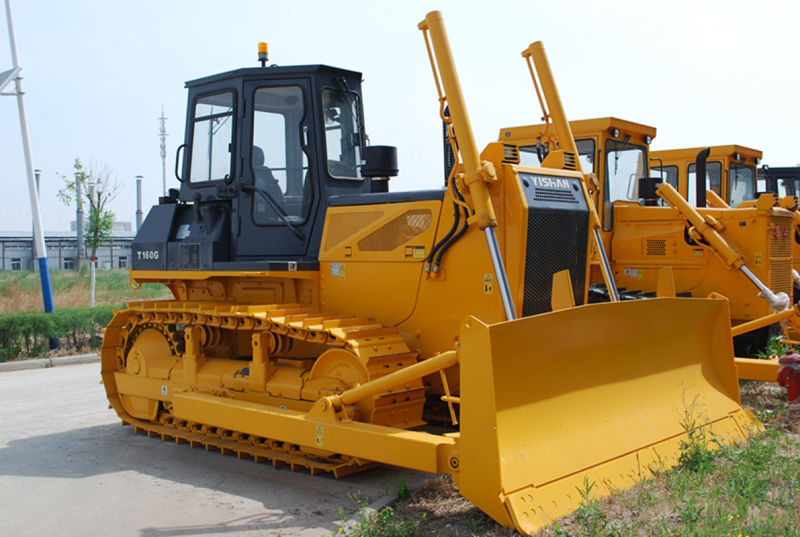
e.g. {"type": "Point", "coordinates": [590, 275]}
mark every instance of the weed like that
{"type": "Point", "coordinates": [357, 498]}
{"type": "Point", "coordinates": [691, 511]}
{"type": "Point", "coordinates": [589, 515]}
{"type": "Point", "coordinates": [383, 523]}
{"type": "Point", "coordinates": [475, 524]}
{"type": "Point", "coordinates": [402, 490]}
{"type": "Point", "coordinates": [695, 453]}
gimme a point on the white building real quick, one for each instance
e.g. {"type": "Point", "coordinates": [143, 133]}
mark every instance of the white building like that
{"type": "Point", "coordinates": [16, 252]}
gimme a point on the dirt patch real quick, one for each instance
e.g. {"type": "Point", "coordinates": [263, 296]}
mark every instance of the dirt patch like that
{"type": "Point", "coordinates": [443, 511]}
{"type": "Point", "coordinates": [767, 400]}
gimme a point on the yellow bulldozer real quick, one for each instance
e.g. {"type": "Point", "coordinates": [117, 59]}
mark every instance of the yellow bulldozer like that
{"type": "Point", "coordinates": [644, 224]}
{"type": "Point", "coordinates": [732, 181]}
{"type": "Point", "coordinates": [305, 329]}
{"type": "Point", "coordinates": [731, 173]}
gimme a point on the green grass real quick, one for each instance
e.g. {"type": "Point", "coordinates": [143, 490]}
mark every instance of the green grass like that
{"type": "Point", "coordinates": [750, 489]}
{"type": "Point", "coordinates": [21, 291]}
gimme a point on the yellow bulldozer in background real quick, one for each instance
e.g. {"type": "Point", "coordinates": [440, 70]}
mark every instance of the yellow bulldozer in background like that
{"type": "Point", "coordinates": [305, 329]}
{"type": "Point", "coordinates": [733, 181]}
{"type": "Point", "coordinates": [731, 173]}
{"type": "Point", "coordinates": [744, 254]}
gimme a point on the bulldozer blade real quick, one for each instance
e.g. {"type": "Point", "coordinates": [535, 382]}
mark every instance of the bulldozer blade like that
{"type": "Point", "coordinates": [590, 400]}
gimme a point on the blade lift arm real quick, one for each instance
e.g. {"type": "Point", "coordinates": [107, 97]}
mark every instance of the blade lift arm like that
{"type": "Point", "coordinates": [566, 143]}
{"type": "Point", "coordinates": [478, 175]}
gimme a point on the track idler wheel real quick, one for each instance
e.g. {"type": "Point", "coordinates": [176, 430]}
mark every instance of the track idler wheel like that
{"type": "Point", "coordinates": [151, 355]}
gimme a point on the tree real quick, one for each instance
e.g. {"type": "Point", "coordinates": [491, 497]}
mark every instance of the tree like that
{"type": "Point", "coordinates": [98, 189]}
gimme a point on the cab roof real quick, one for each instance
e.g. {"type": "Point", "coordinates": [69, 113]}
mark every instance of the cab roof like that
{"type": "Point", "coordinates": [272, 71]}
{"type": "Point", "coordinates": [717, 151]}
{"type": "Point", "coordinates": [580, 127]}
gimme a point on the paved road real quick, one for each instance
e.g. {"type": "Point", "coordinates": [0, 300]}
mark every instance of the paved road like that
{"type": "Point", "coordinates": [68, 468]}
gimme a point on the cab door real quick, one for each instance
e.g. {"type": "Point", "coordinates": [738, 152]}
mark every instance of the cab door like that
{"type": "Point", "coordinates": [278, 198]}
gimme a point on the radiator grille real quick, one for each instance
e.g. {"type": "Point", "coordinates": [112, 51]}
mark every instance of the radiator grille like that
{"type": "Point", "coordinates": [656, 247]}
{"type": "Point", "coordinates": [780, 236]}
{"type": "Point", "coordinates": [558, 224]}
{"type": "Point", "coordinates": [555, 194]}
{"type": "Point", "coordinates": [780, 276]}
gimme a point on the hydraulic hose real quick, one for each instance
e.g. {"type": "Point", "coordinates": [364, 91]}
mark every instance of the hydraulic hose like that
{"type": "Point", "coordinates": [452, 240]}
{"type": "Point", "coordinates": [438, 245]}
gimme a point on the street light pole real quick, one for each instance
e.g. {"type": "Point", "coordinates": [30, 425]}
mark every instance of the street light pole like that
{"type": "Point", "coordinates": [38, 236]}
{"type": "Point", "coordinates": [36, 173]}
{"type": "Point", "coordinates": [93, 217]}
{"type": "Point", "coordinates": [79, 218]}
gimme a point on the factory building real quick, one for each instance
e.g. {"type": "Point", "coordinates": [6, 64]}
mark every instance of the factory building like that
{"type": "Point", "coordinates": [16, 251]}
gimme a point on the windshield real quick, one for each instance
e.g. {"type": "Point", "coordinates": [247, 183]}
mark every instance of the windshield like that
{"type": "Point", "coordinates": [342, 133]}
{"type": "Point", "coordinates": [529, 154]}
{"type": "Point", "coordinates": [668, 174]}
{"type": "Point", "coordinates": [788, 187]}
{"type": "Point", "coordinates": [713, 180]}
{"type": "Point", "coordinates": [625, 163]}
{"type": "Point", "coordinates": [742, 184]}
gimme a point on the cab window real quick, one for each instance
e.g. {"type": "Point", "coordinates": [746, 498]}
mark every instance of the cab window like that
{"type": "Point", "coordinates": [713, 180]}
{"type": "Point", "coordinates": [212, 138]}
{"type": "Point", "coordinates": [625, 164]}
{"type": "Point", "coordinates": [278, 160]}
{"type": "Point", "coordinates": [586, 154]}
{"type": "Point", "coordinates": [668, 174]}
{"type": "Point", "coordinates": [529, 154]}
{"type": "Point", "coordinates": [788, 187]}
{"type": "Point", "coordinates": [742, 184]}
{"type": "Point", "coordinates": [342, 133]}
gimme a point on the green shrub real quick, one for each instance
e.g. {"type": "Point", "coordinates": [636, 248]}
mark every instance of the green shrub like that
{"type": "Point", "coordinates": [29, 333]}
{"type": "Point", "coordinates": [774, 348]}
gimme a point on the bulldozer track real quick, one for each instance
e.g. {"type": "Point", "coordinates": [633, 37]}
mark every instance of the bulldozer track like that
{"type": "Point", "coordinates": [381, 347]}
{"type": "Point", "coordinates": [259, 449]}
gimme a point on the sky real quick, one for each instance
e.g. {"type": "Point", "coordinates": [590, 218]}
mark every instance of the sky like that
{"type": "Point", "coordinates": [97, 73]}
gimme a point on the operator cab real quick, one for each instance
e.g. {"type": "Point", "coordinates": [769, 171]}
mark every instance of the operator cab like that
{"type": "Point", "coordinates": [616, 150]}
{"type": "Point", "coordinates": [264, 150]}
{"type": "Point", "coordinates": [274, 143]}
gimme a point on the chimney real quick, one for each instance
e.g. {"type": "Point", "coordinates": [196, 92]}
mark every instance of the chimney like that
{"type": "Point", "coordinates": [138, 202]}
